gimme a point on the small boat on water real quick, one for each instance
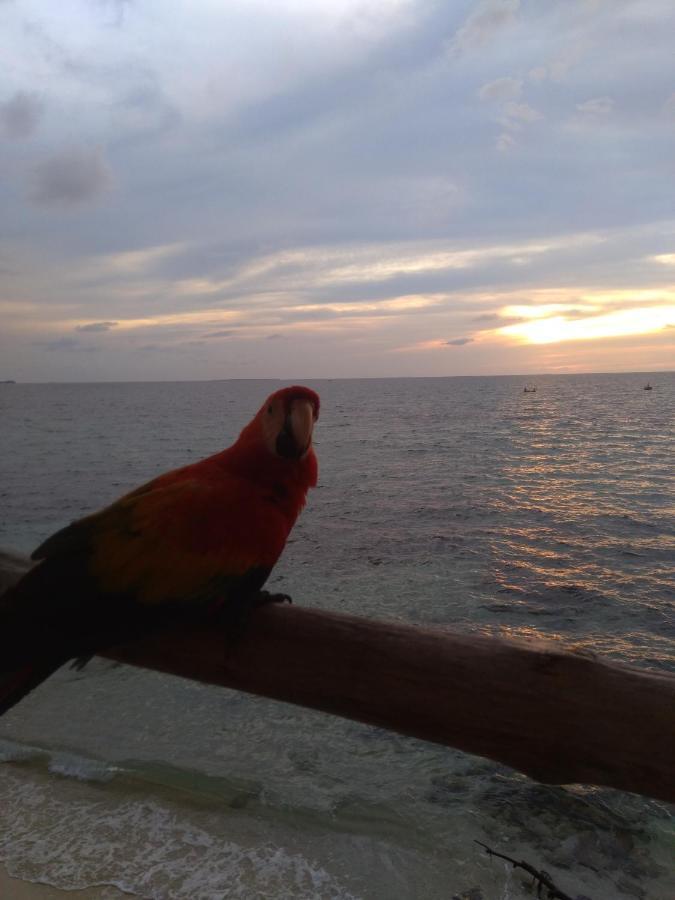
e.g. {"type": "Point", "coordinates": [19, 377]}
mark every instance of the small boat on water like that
{"type": "Point", "coordinates": [530, 389]}
{"type": "Point", "coordinates": [648, 387]}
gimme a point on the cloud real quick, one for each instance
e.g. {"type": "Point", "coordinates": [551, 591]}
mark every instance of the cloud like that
{"type": "Point", "coordinates": [71, 177]}
{"type": "Point", "coordinates": [570, 326]}
{"type": "Point", "coordinates": [664, 259]}
{"type": "Point", "coordinates": [505, 142]}
{"type": "Point", "coordinates": [512, 115]}
{"type": "Point", "coordinates": [597, 108]}
{"type": "Point", "coordinates": [515, 114]}
{"type": "Point", "coordinates": [143, 110]}
{"type": "Point", "coordinates": [65, 343]}
{"type": "Point", "coordinates": [482, 25]}
{"type": "Point", "coordinates": [501, 89]}
{"type": "Point", "coordinates": [96, 326]}
{"type": "Point", "coordinates": [459, 342]}
{"type": "Point", "coordinates": [19, 116]}
{"type": "Point", "coordinates": [347, 182]}
{"type": "Point", "coordinates": [274, 337]}
{"type": "Point", "coordinates": [117, 8]}
{"type": "Point", "coordinates": [556, 70]}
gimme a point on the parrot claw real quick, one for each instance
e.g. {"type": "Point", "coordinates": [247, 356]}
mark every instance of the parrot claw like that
{"type": "Point", "coordinates": [79, 663]}
{"type": "Point", "coordinates": [265, 597]}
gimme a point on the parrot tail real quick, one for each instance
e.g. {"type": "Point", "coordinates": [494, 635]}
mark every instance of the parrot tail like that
{"type": "Point", "coordinates": [32, 644]}
{"type": "Point", "coordinates": [15, 685]}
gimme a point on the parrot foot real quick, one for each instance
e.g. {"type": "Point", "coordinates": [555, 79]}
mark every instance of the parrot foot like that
{"type": "Point", "coordinates": [80, 662]}
{"type": "Point", "coordinates": [262, 598]}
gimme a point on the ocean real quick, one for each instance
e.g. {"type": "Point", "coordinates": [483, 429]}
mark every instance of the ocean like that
{"type": "Point", "coordinates": [453, 502]}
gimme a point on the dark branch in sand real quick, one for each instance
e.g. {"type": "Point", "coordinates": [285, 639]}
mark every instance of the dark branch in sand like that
{"type": "Point", "coordinates": [554, 893]}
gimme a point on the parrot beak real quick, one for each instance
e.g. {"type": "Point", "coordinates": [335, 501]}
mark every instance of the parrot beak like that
{"type": "Point", "coordinates": [302, 424]}
{"type": "Point", "coordinates": [294, 439]}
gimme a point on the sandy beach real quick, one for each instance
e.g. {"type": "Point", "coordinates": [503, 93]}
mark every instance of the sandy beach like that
{"type": "Point", "coordinates": [16, 889]}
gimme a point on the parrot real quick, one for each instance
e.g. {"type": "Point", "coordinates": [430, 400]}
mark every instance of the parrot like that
{"type": "Point", "coordinates": [197, 541]}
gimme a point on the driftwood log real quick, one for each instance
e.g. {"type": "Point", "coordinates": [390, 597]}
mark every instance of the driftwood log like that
{"type": "Point", "coordinates": [560, 717]}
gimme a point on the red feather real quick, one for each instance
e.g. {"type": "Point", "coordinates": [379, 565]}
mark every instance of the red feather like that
{"type": "Point", "coordinates": [207, 532]}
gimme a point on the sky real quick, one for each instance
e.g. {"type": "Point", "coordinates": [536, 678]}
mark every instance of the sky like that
{"type": "Point", "coordinates": [335, 188]}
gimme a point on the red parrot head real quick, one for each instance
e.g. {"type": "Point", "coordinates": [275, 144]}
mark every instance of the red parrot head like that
{"type": "Point", "coordinates": [287, 421]}
{"type": "Point", "coordinates": [277, 443]}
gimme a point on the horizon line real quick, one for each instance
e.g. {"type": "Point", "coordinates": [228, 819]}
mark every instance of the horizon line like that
{"type": "Point", "coordinates": [297, 380]}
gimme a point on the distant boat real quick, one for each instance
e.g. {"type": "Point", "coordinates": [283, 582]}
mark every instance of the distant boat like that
{"type": "Point", "coordinates": [648, 387]}
{"type": "Point", "coordinates": [530, 389]}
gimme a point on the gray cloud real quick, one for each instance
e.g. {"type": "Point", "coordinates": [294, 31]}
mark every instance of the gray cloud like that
{"type": "Point", "coordinates": [19, 116]}
{"type": "Point", "coordinates": [70, 178]}
{"type": "Point", "coordinates": [459, 342]}
{"type": "Point", "coordinates": [65, 343]}
{"type": "Point", "coordinates": [505, 142]}
{"type": "Point", "coordinates": [490, 17]}
{"type": "Point", "coordinates": [117, 8]}
{"type": "Point", "coordinates": [557, 69]}
{"type": "Point", "coordinates": [262, 184]}
{"type": "Point", "coordinates": [96, 326]}
{"type": "Point", "coordinates": [515, 114]}
{"type": "Point", "coordinates": [143, 111]}
{"type": "Point", "coordinates": [501, 89]}
{"type": "Point", "coordinates": [597, 108]}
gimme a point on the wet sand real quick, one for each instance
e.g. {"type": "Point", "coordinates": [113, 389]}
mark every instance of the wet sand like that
{"type": "Point", "coordinates": [16, 889]}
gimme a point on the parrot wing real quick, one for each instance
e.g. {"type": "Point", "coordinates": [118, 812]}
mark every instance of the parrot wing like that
{"type": "Point", "coordinates": [183, 541]}
{"type": "Point", "coordinates": [175, 541]}
{"type": "Point", "coordinates": [75, 537]}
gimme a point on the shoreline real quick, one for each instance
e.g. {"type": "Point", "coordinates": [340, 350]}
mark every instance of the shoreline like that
{"type": "Point", "coordinates": [12, 888]}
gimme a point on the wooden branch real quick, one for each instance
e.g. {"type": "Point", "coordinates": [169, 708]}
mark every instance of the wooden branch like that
{"type": "Point", "coordinates": [558, 716]}
{"type": "Point", "coordinates": [541, 878]}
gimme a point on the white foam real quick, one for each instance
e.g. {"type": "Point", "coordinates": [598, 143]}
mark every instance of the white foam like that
{"type": "Point", "coordinates": [13, 752]}
{"type": "Point", "coordinates": [67, 836]}
{"type": "Point", "coordinates": [69, 765]}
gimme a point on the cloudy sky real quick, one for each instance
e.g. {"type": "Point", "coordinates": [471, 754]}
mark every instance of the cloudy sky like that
{"type": "Point", "coordinates": [288, 188]}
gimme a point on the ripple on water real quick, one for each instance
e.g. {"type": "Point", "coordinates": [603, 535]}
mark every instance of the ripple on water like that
{"type": "Point", "coordinates": [453, 502]}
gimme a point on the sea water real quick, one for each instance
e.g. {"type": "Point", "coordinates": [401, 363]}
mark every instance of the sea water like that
{"type": "Point", "coordinates": [458, 502]}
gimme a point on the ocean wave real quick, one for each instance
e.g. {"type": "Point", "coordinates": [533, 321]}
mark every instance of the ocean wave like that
{"type": "Point", "coordinates": [145, 847]}
{"type": "Point", "coordinates": [545, 517]}
{"type": "Point", "coordinates": [162, 833]}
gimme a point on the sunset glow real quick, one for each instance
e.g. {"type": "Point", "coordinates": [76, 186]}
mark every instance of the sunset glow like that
{"type": "Point", "coordinates": [554, 329]}
{"type": "Point", "coordinates": [407, 188]}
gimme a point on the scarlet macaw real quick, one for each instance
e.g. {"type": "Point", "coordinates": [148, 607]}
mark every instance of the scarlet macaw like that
{"type": "Point", "coordinates": [195, 539]}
